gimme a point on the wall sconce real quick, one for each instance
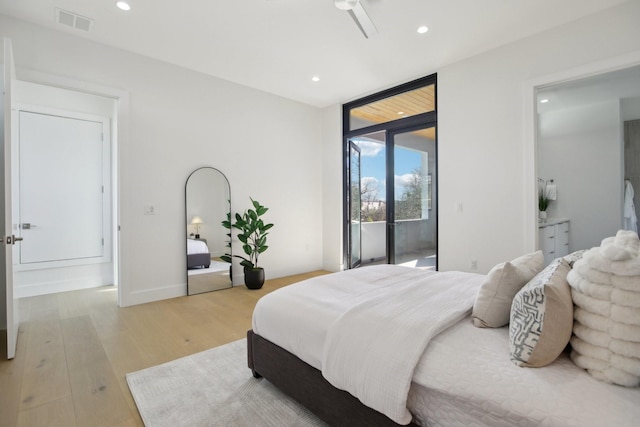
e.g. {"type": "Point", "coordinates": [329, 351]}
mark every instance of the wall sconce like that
{"type": "Point", "coordinates": [197, 221]}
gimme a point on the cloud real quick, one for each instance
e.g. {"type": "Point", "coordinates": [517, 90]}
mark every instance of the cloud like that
{"type": "Point", "coordinates": [369, 149]}
{"type": "Point", "coordinates": [368, 179]}
{"type": "Point", "coordinates": [405, 179]}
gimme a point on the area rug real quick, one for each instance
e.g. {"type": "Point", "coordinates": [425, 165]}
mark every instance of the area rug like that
{"type": "Point", "coordinates": [213, 388]}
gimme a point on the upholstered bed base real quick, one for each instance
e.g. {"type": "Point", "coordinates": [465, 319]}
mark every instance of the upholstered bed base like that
{"type": "Point", "coordinates": [306, 384]}
{"type": "Point", "coordinates": [198, 260]}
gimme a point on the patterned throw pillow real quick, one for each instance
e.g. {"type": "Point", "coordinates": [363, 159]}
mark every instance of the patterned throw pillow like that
{"type": "Point", "coordinates": [542, 317]}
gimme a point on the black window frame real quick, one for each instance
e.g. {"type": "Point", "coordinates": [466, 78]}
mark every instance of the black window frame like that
{"type": "Point", "coordinates": [418, 121]}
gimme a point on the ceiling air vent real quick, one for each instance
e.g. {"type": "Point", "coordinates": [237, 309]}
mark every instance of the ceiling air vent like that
{"type": "Point", "coordinates": [73, 20]}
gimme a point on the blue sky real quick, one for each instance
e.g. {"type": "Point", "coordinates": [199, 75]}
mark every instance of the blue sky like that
{"type": "Point", "coordinates": [373, 165]}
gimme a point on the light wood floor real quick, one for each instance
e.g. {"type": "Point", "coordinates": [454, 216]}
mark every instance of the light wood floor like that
{"type": "Point", "coordinates": [74, 349]}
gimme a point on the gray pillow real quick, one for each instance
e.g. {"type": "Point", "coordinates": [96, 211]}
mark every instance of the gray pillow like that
{"type": "Point", "coordinates": [542, 317]}
{"type": "Point", "coordinates": [493, 303]}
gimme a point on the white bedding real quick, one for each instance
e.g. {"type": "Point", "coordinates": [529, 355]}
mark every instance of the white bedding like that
{"type": "Point", "coordinates": [196, 247]}
{"type": "Point", "coordinates": [464, 378]}
{"type": "Point", "coordinates": [373, 357]}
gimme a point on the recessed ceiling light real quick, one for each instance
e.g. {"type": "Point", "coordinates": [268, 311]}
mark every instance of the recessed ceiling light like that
{"type": "Point", "coordinates": [423, 29]}
{"type": "Point", "coordinates": [544, 101]}
{"type": "Point", "coordinates": [400, 113]}
{"type": "Point", "coordinates": [124, 5]}
{"type": "Point", "coordinates": [315, 78]}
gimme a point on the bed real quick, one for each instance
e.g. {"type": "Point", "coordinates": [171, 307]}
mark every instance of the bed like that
{"type": "Point", "coordinates": [463, 375]}
{"type": "Point", "coordinates": [198, 255]}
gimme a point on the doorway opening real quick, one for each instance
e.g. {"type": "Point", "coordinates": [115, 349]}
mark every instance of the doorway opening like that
{"type": "Point", "coordinates": [390, 176]}
{"type": "Point", "coordinates": [593, 115]}
{"type": "Point", "coordinates": [64, 180]}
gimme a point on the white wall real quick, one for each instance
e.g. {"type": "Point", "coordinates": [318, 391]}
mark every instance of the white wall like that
{"type": "Point", "coordinates": [630, 109]}
{"type": "Point", "coordinates": [332, 189]}
{"type": "Point", "coordinates": [589, 190]}
{"type": "Point", "coordinates": [481, 134]}
{"type": "Point", "coordinates": [178, 120]}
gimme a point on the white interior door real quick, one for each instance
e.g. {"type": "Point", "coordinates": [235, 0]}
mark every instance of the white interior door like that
{"type": "Point", "coordinates": [7, 238]}
{"type": "Point", "coordinates": [61, 188]}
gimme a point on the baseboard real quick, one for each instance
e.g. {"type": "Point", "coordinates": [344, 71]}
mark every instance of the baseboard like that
{"type": "Point", "coordinates": [54, 287]}
{"type": "Point", "coordinates": [151, 295]}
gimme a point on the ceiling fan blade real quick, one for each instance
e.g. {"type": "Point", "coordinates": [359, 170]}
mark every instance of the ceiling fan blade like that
{"type": "Point", "coordinates": [363, 21]}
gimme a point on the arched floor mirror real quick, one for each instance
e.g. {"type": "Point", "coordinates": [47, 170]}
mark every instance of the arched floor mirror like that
{"type": "Point", "coordinates": [207, 204]}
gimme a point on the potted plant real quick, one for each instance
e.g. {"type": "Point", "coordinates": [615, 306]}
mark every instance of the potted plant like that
{"type": "Point", "coordinates": [252, 233]}
{"type": "Point", "coordinates": [543, 199]}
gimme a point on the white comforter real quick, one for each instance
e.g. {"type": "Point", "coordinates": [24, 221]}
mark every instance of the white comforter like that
{"type": "Point", "coordinates": [196, 247]}
{"type": "Point", "coordinates": [372, 350]}
{"type": "Point", "coordinates": [374, 366]}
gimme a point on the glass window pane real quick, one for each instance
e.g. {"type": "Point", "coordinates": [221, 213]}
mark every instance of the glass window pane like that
{"type": "Point", "coordinates": [415, 241]}
{"type": "Point", "coordinates": [396, 107]}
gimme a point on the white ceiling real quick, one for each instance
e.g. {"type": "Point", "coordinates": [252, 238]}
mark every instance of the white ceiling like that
{"type": "Point", "coordinates": [278, 45]}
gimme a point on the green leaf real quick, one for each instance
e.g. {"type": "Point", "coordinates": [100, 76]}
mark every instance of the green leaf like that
{"type": "Point", "coordinates": [266, 227]}
{"type": "Point", "coordinates": [247, 249]}
{"type": "Point", "coordinates": [262, 249]}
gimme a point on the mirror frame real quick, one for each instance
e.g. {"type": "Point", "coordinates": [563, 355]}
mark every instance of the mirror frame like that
{"type": "Point", "coordinates": [187, 224]}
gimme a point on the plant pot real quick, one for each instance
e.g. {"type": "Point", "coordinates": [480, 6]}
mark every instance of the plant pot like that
{"type": "Point", "coordinates": [254, 277]}
{"type": "Point", "coordinates": [542, 215]}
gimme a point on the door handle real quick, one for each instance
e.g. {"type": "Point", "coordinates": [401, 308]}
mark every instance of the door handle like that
{"type": "Point", "coordinates": [11, 240]}
{"type": "Point", "coordinates": [27, 226]}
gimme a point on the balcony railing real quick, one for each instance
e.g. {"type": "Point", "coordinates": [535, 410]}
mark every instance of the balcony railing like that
{"type": "Point", "coordinates": [415, 238]}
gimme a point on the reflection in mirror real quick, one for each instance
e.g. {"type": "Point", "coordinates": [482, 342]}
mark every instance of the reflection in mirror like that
{"type": "Point", "coordinates": [207, 204]}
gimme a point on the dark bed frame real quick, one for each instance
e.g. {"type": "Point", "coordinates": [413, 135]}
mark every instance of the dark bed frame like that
{"type": "Point", "coordinates": [198, 260]}
{"type": "Point", "coordinates": [306, 384]}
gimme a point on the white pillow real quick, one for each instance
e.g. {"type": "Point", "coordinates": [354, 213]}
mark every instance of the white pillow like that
{"type": "Point", "coordinates": [493, 303]}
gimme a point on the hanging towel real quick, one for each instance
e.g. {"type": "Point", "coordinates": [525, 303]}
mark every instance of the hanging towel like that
{"type": "Point", "coordinates": [630, 220]}
{"type": "Point", "coordinates": [552, 192]}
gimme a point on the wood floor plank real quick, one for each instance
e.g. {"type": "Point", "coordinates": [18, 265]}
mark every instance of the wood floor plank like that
{"type": "Point", "coordinates": [98, 398]}
{"type": "Point", "coordinates": [75, 348]}
{"type": "Point", "coordinates": [45, 376]}
{"type": "Point", "coordinates": [59, 413]}
{"type": "Point", "coordinates": [11, 376]}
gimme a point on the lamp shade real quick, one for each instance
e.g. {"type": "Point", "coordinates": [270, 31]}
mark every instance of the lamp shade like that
{"type": "Point", "coordinates": [196, 220]}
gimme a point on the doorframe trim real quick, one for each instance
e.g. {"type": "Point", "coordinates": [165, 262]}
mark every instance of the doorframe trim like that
{"type": "Point", "coordinates": [119, 136]}
{"type": "Point", "coordinates": [530, 137]}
